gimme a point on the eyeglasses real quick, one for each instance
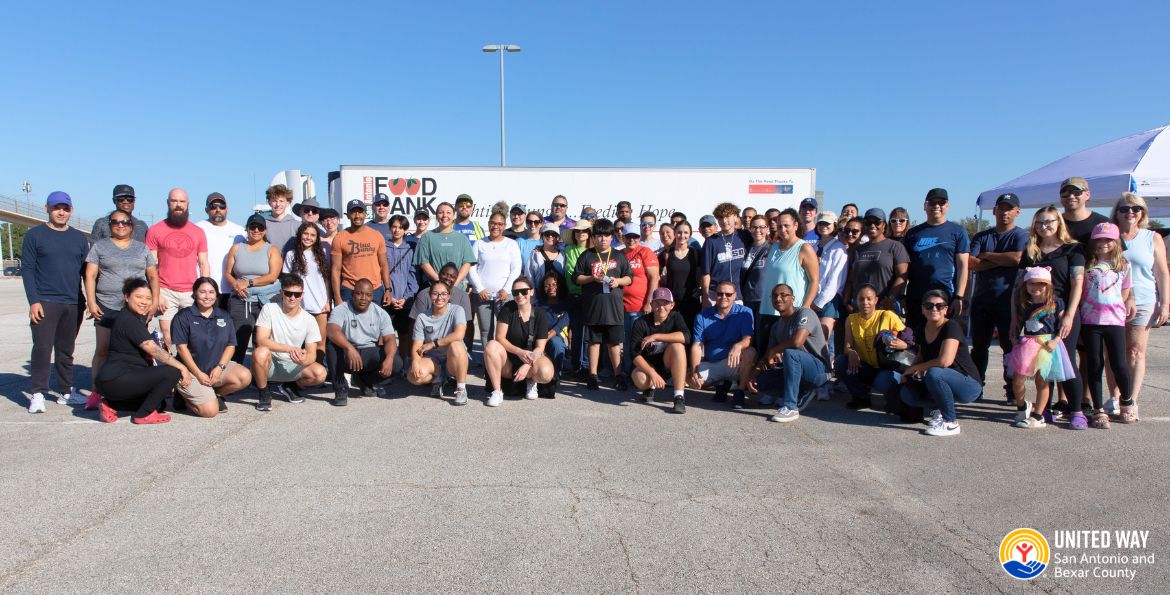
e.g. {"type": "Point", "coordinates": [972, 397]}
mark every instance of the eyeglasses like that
{"type": "Point", "coordinates": [725, 295]}
{"type": "Point", "coordinates": [521, 291]}
{"type": "Point", "coordinates": [495, 223]}
{"type": "Point", "coordinates": [310, 211]}
{"type": "Point", "coordinates": [216, 207]}
{"type": "Point", "coordinates": [1073, 191]}
{"type": "Point", "coordinates": [1129, 209]}
{"type": "Point", "coordinates": [900, 221]}
{"type": "Point", "coordinates": [435, 296]}
{"type": "Point", "coordinates": [851, 231]}
{"type": "Point", "coordinates": [1046, 222]}
{"type": "Point", "coordinates": [129, 199]}
{"type": "Point", "coordinates": [560, 205]}
{"type": "Point", "coordinates": [534, 222]}
{"type": "Point", "coordinates": [934, 306]}
{"type": "Point", "coordinates": [765, 227]}
{"type": "Point", "coordinates": [114, 222]}
{"type": "Point", "coordinates": [292, 294]}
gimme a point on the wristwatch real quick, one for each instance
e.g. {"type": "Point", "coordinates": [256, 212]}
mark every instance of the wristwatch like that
{"type": "Point", "coordinates": [222, 366]}
{"type": "Point", "coordinates": [249, 283]}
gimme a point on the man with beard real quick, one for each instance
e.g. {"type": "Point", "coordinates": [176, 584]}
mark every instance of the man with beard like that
{"type": "Point", "coordinates": [123, 201]}
{"type": "Point", "coordinates": [281, 225]}
{"type": "Point", "coordinates": [180, 248]}
{"type": "Point", "coordinates": [221, 236]}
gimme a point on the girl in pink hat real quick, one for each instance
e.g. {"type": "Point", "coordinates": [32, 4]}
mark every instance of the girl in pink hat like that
{"type": "Point", "coordinates": [1106, 305]}
{"type": "Point", "coordinates": [1040, 352]}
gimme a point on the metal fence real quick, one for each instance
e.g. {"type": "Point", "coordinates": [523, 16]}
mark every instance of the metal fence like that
{"type": "Point", "coordinates": [32, 210]}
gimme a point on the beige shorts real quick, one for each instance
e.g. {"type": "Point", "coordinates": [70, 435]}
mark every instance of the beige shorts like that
{"type": "Point", "coordinates": [197, 393]}
{"type": "Point", "coordinates": [716, 372]}
{"type": "Point", "coordinates": [175, 301]}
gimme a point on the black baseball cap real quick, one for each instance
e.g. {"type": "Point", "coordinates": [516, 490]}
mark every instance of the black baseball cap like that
{"type": "Point", "coordinates": [355, 205]}
{"type": "Point", "coordinates": [215, 197]}
{"type": "Point", "coordinates": [464, 198]}
{"type": "Point", "coordinates": [938, 193]}
{"type": "Point", "coordinates": [422, 214]}
{"type": "Point", "coordinates": [1008, 198]}
{"type": "Point", "coordinates": [123, 190]}
{"type": "Point", "coordinates": [256, 219]}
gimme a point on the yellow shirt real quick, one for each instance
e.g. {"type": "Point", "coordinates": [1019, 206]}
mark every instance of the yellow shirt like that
{"type": "Point", "coordinates": [865, 332]}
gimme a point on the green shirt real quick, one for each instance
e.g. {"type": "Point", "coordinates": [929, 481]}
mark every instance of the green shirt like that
{"type": "Point", "coordinates": [572, 253]}
{"type": "Point", "coordinates": [438, 249]}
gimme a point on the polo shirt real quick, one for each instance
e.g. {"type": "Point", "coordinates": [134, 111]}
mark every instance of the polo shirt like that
{"type": "Point", "coordinates": [206, 338]}
{"type": "Point", "coordinates": [718, 334]}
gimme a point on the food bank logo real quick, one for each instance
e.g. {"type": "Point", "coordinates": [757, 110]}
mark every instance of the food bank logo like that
{"type": "Point", "coordinates": [1023, 553]}
{"type": "Point", "coordinates": [409, 194]}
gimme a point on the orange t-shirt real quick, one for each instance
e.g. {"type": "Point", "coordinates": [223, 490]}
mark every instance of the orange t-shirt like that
{"type": "Point", "coordinates": [361, 254]}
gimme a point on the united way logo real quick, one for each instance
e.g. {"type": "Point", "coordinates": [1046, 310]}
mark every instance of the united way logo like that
{"type": "Point", "coordinates": [1023, 553]}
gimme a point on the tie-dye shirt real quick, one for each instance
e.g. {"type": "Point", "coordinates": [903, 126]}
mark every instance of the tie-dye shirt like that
{"type": "Point", "coordinates": [1102, 302]}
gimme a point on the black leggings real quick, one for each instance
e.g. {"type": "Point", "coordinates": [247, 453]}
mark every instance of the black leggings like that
{"type": "Point", "coordinates": [244, 314]}
{"type": "Point", "coordinates": [142, 391]}
{"type": "Point", "coordinates": [1112, 339]}
{"type": "Point", "coordinates": [1074, 388]}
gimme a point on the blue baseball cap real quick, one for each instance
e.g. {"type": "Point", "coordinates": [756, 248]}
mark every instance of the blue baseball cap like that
{"type": "Point", "coordinates": [875, 214]}
{"type": "Point", "coordinates": [58, 198]}
{"type": "Point", "coordinates": [809, 202]}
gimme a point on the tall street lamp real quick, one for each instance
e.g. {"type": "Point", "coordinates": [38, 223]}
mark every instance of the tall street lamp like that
{"type": "Point", "coordinates": [502, 49]}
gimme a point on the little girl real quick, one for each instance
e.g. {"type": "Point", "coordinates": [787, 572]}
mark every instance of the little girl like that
{"type": "Point", "coordinates": [1040, 352]}
{"type": "Point", "coordinates": [1106, 304]}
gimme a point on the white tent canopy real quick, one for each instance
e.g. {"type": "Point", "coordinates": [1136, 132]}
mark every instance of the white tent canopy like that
{"type": "Point", "coordinates": [1138, 163]}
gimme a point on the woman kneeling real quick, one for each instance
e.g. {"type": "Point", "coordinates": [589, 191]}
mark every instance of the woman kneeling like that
{"type": "Point", "coordinates": [205, 338]}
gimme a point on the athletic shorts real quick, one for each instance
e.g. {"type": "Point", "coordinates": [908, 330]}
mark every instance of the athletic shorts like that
{"type": "Point", "coordinates": [606, 334]}
{"type": "Point", "coordinates": [658, 362]}
{"type": "Point", "coordinates": [198, 394]}
{"type": "Point", "coordinates": [1144, 315]}
{"type": "Point", "coordinates": [283, 370]}
{"type": "Point", "coordinates": [175, 301]}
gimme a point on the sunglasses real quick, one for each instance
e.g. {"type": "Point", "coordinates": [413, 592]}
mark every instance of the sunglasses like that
{"type": "Point", "coordinates": [126, 222]}
{"type": "Point", "coordinates": [310, 211]}
{"type": "Point", "coordinates": [899, 221]}
{"type": "Point", "coordinates": [216, 207]}
{"type": "Point", "coordinates": [534, 222]}
{"type": "Point", "coordinates": [255, 228]}
{"type": "Point", "coordinates": [560, 205]}
{"type": "Point", "coordinates": [292, 294]}
{"type": "Point", "coordinates": [1130, 209]}
{"type": "Point", "coordinates": [588, 215]}
{"type": "Point", "coordinates": [936, 203]}
{"type": "Point", "coordinates": [521, 291]}
{"type": "Point", "coordinates": [125, 199]}
{"type": "Point", "coordinates": [1072, 192]}
{"type": "Point", "coordinates": [934, 306]}
{"type": "Point", "coordinates": [725, 295]}
{"type": "Point", "coordinates": [851, 231]}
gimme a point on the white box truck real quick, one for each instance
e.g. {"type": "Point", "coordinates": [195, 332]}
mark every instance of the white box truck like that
{"type": "Point", "coordinates": [694, 191]}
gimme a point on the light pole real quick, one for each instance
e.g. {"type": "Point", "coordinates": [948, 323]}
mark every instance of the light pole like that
{"type": "Point", "coordinates": [502, 49]}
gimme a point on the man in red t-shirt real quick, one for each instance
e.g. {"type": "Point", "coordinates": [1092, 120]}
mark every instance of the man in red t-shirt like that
{"type": "Point", "coordinates": [180, 247]}
{"type": "Point", "coordinates": [636, 298]}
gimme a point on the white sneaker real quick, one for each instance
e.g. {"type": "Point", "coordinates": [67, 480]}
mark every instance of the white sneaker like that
{"type": "Point", "coordinates": [72, 398]}
{"type": "Point", "coordinates": [1111, 407]}
{"type": "Point", "coordinates": [36, 403]}
{"type": "Point", "coordinates": [496, 398]}
{"type": "Point", "coordinates": [531, 394]}
{"type": "Point", "coordinates": [945, 428]}
{"type": "Point", "coordinates": [1022, 414]}
{"type": "Point", "coordinates": [785, 415]}
{"type": "Point", "coordinates": [933, 418]}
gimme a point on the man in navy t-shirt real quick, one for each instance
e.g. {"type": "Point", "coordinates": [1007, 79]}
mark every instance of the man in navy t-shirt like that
{"type": "Point", "coordinates": [995, 259]}
{"type": "Point", "coordinates": [938, 258]}
{"type": "Point", "coordinates": [723, 253]}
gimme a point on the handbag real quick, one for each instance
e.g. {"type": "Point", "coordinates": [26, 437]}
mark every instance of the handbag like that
{"type": "Point", "coordinates": [897, 360]}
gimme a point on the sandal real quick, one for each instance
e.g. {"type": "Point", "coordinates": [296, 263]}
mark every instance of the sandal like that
{"type": "Point", "coordinates": [106, 413]}
{"type": "Point", "coordinates": [1100, 420]}
{"type": "Point", "coordinates": [154, 418]}
{"type": "Point", "coordinates": [1127, 415]}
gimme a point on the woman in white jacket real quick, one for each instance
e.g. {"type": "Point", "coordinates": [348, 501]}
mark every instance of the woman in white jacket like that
{"type": "Point", "coordinates": [834, 258]}
{"type": "Point", "coordinates": [497, 266]}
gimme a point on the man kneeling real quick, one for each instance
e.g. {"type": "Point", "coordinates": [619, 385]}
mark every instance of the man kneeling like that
{"type": "Point", "coordinates": [797, 356]}
{"type": "Point", "coordinates": [518, 347]}
{"type": "Point", "coordinates": [287, 339]}
{"type": "Point", "coordinates": [437, 345]}
{"type": "Point", "coordinates": [659, 340]}
{"type": "Point", "coordinates": [354, 331]}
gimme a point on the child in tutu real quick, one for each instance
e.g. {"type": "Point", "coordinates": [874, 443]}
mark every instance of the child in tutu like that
{"type": "Point", "coordinates": [1040, 352]}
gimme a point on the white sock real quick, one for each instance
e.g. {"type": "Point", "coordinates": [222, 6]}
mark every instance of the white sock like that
{"type": "Point", "coordinates": [678, 393]}
{"type": "Point", "coordinates": [461, 385]}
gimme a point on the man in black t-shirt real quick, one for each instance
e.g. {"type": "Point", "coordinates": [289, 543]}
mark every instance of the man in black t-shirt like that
{"type": "Point", "coordinates": [659, 340]}
{"type": "Point", "coordinates": [1078, 219]}
{"type": "Point", "coordinates": [601, 273]}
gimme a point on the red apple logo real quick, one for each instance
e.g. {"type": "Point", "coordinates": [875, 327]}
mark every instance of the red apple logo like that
{"type": "Point", "coordinates": [412, 186]}
{"type": "Point", "coordinates": [397, 185]}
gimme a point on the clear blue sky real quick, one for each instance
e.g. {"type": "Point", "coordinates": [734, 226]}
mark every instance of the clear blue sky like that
{"type": "Point", "coordinates": [885, 100]}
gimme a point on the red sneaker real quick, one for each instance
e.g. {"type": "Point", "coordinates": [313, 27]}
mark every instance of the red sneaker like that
{"type": "Point", "coordinates": [91, 403]}
{"type": "Point", "coordinates": [105, 412]}
{"type": "Point", "coordinates": [154, 418]}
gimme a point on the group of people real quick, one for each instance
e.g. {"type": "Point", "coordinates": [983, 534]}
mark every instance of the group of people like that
{"type": "Point", "coordinates": [777, 306]}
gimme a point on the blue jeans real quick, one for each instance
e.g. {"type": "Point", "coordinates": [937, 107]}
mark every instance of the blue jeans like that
{"type": "Point", "coordinates": [347, 295]}
{"type": "Point", "coordinates": [940, 389]}
{"type": "Point", "coordinates": [867, 380]}
{"type": "Point", "coordinates": [627, 349]}
{"type": "Point", "coordinates": [555, 350]}
{"type": "Point", "coordinates": [799, 369]}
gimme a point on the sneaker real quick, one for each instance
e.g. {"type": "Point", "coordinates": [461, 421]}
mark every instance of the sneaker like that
{"type": "Point", "coordinates": [1100, 420]}
{"type": "Point", "coordinates": [532, 391]}
{"type": "Point", "coordinates": [92, 401]}
{"type": "Point", "coordinates": [339, 400]}
{"type": "Point", "coordinates": [933, 418]}
{"type": "Point", "coordinates": [293, 393]}
{"type": "Point", "coordinates": [265, 401]}
{"type": "Point", "coordinates": [859, 404]}
{"type": "Point", "coordinates": [1054, 414]}
{"type": "Point", "coordinates": [680, 405]}
{"type": "Point", "coordinates": [721, 392]}
{"type": "Point", "coordinates": [495, 398]}
{"type": "Point", "coordinates": [620, 383]}
{"type": "Point", "coordinates": [1127, 415]}
{"type": "Point", "coordinates": [1032, 422]}
{"type": "Point", "coordinates": [154, 418]}
{"type": "Point", "coordinates": [437, 389]}
{"type": "Point", "coordinates": [1022, 414]}
{"type": "Point", "coordinates": [72, 398]}
{"type": "Point", "coordinates": [738, 400]}
{"type": "Point", "coordinates": [106, 413]}
{"type": "Point", "coordinates": [1078, 421]}
{"type": "Point", "coordinates": [785, 415]}
{"type": "Point", "coordinates": [591, 382]}
{"type": "Point", "coordinates": [1110, 406]}
{"type": "Point", "coordinates": [548, 390]}
{"type": "Point", "coordinates": [946, 428]}
{"type": "Point", "coordinates": [460, 396]}
{"type": "Point", "coordinates": [36, 403]}
{"type": "Point", "coordinates": [823, 393]}
{"type": "Point", "coordinates": [647, 395]}
{"type": "Point", "coordinates": [222, 404]}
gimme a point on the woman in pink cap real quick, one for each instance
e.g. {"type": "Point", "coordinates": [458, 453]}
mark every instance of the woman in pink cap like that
{"type": "Point", "coordinates": [1106, 305]}
{"type": "Point", "coordinates": [1040, 352]}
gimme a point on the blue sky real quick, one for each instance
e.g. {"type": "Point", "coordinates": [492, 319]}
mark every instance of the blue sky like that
{"type": "Point", "coordinates": [886, 100]}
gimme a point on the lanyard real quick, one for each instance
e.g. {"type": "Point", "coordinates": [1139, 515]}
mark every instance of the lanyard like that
{"type": "Point", "coordinates": [604, 263]}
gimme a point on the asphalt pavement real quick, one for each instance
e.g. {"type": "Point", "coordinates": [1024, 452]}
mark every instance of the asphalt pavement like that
{"type": "Point", "coordinates": [589, 492]}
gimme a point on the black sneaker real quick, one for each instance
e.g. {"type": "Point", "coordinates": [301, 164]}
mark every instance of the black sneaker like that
{"type": "Point", "coordinates": [547, 391]}
{"type": "Point", "coordinates": [591, 382]}
{"type": "Point", "coordinates": [222, 404]}
{"type": "Point", "coordinates": [679, 405]}
{"type": "Point", "coordinates": [647, 395]}
{"type": "Point", "coordinates": [292, 392]}
{"type": "Point", "coordinates": [339, 400]}
{"type": "Point", "coordinates": [858, 404]}
{"type": "Point", "coordinates": [265, 402]}
{"type": "Point", "coordinates": [620, 383]}
{"type": "Point", "coordinates": [721, 392]}
{"type": "Point", "coordinates": [738, 399]}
